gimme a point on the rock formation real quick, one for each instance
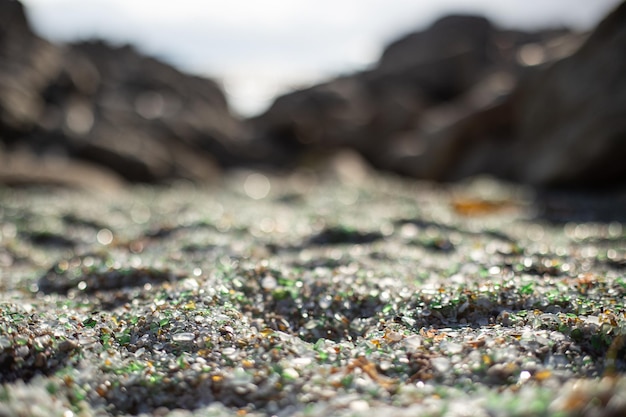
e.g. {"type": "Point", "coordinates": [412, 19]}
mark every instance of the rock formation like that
{"type": "Point", "coordinates": [570, 118]}
{"type": "Point", "coordinates": [564, 124]}
{"type": "Point", "coordinates": [109, 106]}
{"type": "Point", "coordinates": [457, 99]}
{"type": "Point", "coordinates": [423, 82]}
{"type": "Point", "coordinates": [464, 98]}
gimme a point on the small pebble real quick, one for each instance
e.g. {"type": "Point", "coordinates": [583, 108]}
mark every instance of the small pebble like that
{"type": "Point", "coordinates": [183, 337]}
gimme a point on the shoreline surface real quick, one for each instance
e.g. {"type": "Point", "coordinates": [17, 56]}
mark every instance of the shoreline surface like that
{"type": "Point", "coordinates": [302, 297]}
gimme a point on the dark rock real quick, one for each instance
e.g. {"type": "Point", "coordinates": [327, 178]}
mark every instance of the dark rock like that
{"type": "Point", "coordinates": [24, 168]}
{"type": "Point", "coordinates": [571, 117]}
{"type": "Point", "coordinates": [27, 65]}
{"type": "Point", "coordinates": [366, 110]}
{"type": "Point", "coordinates": [340, 235]}
{"type": "Point", "coordinates": [110, 106]}
{"type": "Point", "coordinates": [564, 124]}
{"type": "Point", "coordinates": [395, 114]}
{"type": "Point", "coordinates": [464, 140]}
{"type": "Point", "coordinates": [458, 99]}
{"type": "Point", "coordinates": [458, 49]}
{"type": "Point", "coordinates": [46, 238]}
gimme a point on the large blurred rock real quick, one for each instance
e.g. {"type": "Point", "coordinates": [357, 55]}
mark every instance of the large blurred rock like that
{"type": "Point", "coordinates": [446, 59]}
{"type": "Point", "coordinates": [458, 99]}
{"type": "Point", "coordinates": [563, 125]}
{"type": "Point", "coordinates": [464, 98]}
{"type": "Point", "coordinates": [362, 111]}
{"type": "Point", "coordinates": [570, 118]}
{"type": "Point", "coordinates": [110, 106]}
{"type": "Point", "coordinates": [23, 168]}
{"type": "Point", "coordinates": [27, 66]}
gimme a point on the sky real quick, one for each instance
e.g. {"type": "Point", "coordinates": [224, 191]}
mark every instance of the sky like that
{"type": "Point", "coordinates": [258, 49]}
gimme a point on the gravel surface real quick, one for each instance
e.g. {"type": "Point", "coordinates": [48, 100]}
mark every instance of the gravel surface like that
{"type": "Point", "coordinates": [308, 296]}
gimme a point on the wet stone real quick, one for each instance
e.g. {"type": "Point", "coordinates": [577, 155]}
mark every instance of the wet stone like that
{"type": "Point", "coordinates": [339, 235]}
{"type": "Point", "coordinates": [51, 239]}
{"type": "Point", "coordinates": [183, 337]}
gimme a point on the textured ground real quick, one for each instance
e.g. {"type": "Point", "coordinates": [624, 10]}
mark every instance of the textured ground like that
{"type": "Point", "coordinates": [311, 297]}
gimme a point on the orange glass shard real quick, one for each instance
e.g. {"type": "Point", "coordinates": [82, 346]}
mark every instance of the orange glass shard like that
{"type": "Point", "coordinates": [479, 207]}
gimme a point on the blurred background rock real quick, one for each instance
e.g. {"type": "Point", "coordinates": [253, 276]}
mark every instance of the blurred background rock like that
{"type": "Point", "coordinates": [458, 98]}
